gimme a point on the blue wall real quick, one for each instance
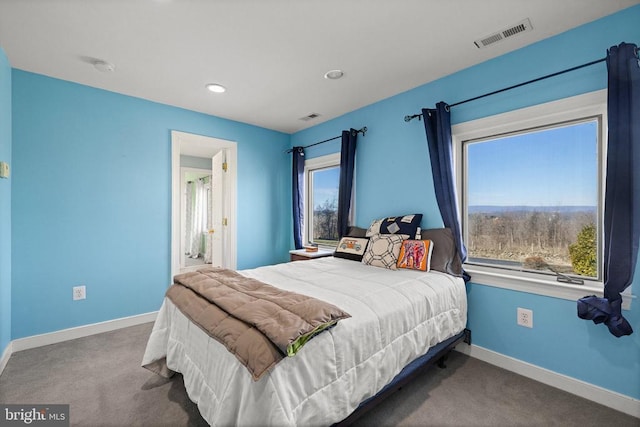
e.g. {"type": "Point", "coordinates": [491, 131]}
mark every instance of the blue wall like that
{"type": "Point", "coordinates": [393, 177]}
{"type": "Point", "coordinates": [5, 203]}
{"type": "Point", "coordinates": [91, 200]}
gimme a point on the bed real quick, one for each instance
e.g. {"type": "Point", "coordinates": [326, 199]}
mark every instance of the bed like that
{"type": "Point", "coordinates": [397, 316]}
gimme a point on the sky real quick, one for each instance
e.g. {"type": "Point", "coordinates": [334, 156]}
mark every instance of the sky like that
{"type": "Point", "coordinates": [325, 185]}
{"type": "Point", "coordinates": [552, 167]}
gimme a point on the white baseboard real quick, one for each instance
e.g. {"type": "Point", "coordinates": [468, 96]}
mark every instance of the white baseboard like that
{"type": "Point", "coordinates": [6, 354]}
{"type": "Point", "coordinates": [612, 399]}
{"type": "Point", "coordinates": [81, 331]}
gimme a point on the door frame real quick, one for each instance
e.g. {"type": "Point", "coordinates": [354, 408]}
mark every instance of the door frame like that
{"type": "Point", "coordinates": [188, 144]}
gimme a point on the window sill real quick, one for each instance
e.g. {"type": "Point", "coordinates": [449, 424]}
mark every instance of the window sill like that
{"type": "Point", "coordinates": [524, 282]}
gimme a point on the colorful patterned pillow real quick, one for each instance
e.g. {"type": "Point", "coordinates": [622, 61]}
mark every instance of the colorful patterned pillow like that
{"type": "Point", "coordinates": [351, 248]}
{"type": "Point", "coordinates": [406, 224]}
{"type": "Point", "coordinates": [415, 255]}
{"type": "Point", "coordinates": [383, 250]}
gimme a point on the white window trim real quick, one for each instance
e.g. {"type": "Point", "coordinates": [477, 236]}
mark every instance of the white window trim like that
{"type": "Point", "coordinates": [589, 104]}
{"type": "Point", "coordinates": [327, 161]}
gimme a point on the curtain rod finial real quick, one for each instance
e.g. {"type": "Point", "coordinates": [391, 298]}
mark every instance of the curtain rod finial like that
{"type": "Point", "coordinates": [362, 130]}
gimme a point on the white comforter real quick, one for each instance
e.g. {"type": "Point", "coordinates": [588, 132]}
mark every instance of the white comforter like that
{"type": "Point", "coordinates": [396, 317]}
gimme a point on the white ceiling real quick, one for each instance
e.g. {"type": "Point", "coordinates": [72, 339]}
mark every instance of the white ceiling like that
{"type": "Point", "coordinates": [272, 54]}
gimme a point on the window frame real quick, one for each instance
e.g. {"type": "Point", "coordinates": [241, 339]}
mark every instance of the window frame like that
{"type": "Point", "coordinates": [589, 105]}
{"type": "Point", "coordinates": [311, 165]}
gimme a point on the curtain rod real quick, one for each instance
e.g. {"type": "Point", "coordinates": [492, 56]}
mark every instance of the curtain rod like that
{"type": "Point", "coordinates": [419, 116]}
{"type": "Point", "coordinates": [363, 131]}
{"type": "Point", "coordinates": [201, 178]}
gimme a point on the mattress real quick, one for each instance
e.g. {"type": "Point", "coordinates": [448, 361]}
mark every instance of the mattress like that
{"type": "Point", "coordinates": [396, 317]}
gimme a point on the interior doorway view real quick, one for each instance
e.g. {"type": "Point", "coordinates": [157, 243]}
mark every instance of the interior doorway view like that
{"type": "Point", "coordinates": [203, 202]}
{"type": "Point", "coordinates": [196, 206]}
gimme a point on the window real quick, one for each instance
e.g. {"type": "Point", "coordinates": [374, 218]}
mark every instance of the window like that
{"type": "Point", "coordinates": [531, 199]}
{"type": "Point", "coordinates": [322, 178]}
{"type": "Point", "coordinates": [531, 190]}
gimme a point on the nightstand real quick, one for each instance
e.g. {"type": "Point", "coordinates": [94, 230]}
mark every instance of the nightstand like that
{"type": "Point", "coordinates": [303, 255]}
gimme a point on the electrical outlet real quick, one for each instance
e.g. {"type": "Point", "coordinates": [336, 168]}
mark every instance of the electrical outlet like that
{"type": "Point", "coordinates": [4, 170]}
{"type": "Point", "coordinates": [79, 292]}
{"type": "Point", "coordinates": [525, 317]}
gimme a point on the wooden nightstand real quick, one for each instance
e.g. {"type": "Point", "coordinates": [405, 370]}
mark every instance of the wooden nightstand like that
{"type": "Point", "coordinates": [303, 255]}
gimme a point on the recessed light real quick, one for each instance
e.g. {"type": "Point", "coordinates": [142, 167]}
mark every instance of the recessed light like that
{"type": "Point", "coordinates": [104, 66]}
{"type": "Point", "coordinates": [333, 74]}
{"type": "Point", "coordinates": [216, 88]}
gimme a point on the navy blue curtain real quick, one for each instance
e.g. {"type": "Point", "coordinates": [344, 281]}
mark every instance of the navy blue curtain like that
{"type": "Point", "coordinates": [437, 124]}
{"type": "Point", "coordinates": [297, 180]}
{"type": "Point", "coordinates": [347, 165]}
{"type": "Point", "coordinates": [622, 191]}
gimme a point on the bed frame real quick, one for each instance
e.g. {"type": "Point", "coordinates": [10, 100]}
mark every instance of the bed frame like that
{"type": "Point", "coordinates": [436, 354]}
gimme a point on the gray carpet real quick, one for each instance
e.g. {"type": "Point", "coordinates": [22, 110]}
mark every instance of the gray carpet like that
{"type": "Point", "coordinates": [101, 378]}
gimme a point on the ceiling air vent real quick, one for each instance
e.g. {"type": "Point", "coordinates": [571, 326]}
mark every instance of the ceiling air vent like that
{"type": "Point", "coordinates": [309, 117]}
{"type": "Point", "coordinates": [520, 27]}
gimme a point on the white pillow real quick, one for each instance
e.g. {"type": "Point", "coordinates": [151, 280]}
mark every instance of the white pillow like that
{"type": "Point", "coordinates": [383, 250]}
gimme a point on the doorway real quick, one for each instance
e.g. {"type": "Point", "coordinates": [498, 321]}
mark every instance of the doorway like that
{"type": "Point", "coordinates": [221, 232]}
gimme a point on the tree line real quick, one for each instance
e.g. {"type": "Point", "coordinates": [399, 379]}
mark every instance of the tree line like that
{"type": "Point", "coordinates": [541, 238]}
{"type": "Point", "coordinates": [562, 241]}
{"type": "Point", "coordinates": [325, 221]}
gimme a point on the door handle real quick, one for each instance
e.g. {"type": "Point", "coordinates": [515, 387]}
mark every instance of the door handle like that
{"type": "Point", "coordinates": [211, 231]}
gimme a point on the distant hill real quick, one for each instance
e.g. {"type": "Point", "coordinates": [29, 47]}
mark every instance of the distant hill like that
{"type": "Point", "coordinates": [486, 209]}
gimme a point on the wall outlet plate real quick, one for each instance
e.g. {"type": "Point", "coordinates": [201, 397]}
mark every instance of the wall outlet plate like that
{"type": "Point", "coordinates": [525, 317]}
{"type": "Point", "coordinates": [79, 292]}
{"type": "Point", "coordinates": [4, 170]}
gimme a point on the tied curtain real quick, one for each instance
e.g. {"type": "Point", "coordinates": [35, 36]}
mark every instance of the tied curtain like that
{"type": "Point", "coordinates": [437, 124]}
{"type": "Point", "coordinates": [297, 196]}
{"type": "Point", "coordinates": [622, 190]}
{"type": "Point", "coordinates": [345, 189]}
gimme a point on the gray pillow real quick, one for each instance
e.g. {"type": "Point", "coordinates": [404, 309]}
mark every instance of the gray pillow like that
{"type": "Point", "coordinates": [356, 232]}
{"type": "Point", "coordinates": [445, 255]}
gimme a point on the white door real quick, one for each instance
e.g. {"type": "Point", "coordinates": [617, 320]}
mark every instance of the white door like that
{"type": "Point", "coordinates": [218, 209]}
